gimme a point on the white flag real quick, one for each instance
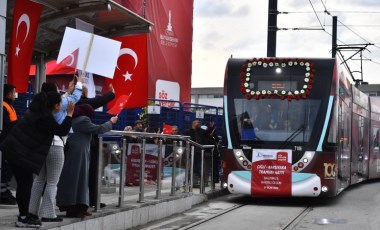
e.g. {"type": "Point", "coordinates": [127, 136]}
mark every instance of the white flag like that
{"type": "Point", "coordinates": [97, 54]}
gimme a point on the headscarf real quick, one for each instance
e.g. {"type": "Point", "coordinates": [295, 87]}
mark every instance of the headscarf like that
{"type": "Point", "coordinates": [83, 110]}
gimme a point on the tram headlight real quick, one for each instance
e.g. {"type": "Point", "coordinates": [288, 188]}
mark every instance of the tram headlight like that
{"type": "Point", "coordinates": [324, 189]}
{"type": "Point", "coordinates": [305, 160]}
{"type": "Point", "coordinates": [238, 153]}
{"type": "Point", "coordinates": [180, 150]}
{"type": "Point", "coordinates": [225, 185]}
{"type": "Point", "coordinates": [309, 154]}
{"type": "Point", "coordinates": [241, 158]}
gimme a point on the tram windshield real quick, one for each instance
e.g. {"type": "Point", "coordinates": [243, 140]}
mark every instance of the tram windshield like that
{"type": "Point", "coordinates": [276, 103]}
{"type": "Point", "coordinates": [260, 112]}
{"type": "Point", "coordinates": [275, 120]}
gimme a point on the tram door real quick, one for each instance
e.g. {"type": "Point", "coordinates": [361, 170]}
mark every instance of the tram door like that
{"type": "Point", "coordinates": [360, 147]}
{"type": "Point", "coordinates": [344, 148]}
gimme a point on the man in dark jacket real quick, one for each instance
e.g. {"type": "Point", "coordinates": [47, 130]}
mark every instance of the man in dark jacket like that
{"type": "Point", "coordinates": [9, 120]}
{"type": "Point", "coordinates": [203, 137]}
{"type": "Point", "coordinates": [196, 134]}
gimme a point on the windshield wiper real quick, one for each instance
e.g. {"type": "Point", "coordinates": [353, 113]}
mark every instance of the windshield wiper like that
{"type": "Point", "coordinates": [291, 137]}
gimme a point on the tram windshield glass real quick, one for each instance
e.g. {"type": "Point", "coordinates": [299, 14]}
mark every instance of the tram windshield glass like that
{"type": "Point", "coordinates": [275, 120]}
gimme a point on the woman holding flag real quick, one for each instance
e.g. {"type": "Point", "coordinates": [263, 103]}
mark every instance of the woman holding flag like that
{"type": "Point", "coordinates": [73, 194]}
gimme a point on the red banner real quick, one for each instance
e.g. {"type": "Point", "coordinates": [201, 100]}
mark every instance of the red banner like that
{"type": "Point", "coordinates": [26, 16]}
{"type": "Point", "coordinates": [131, 76]}
{"type": "Point", "coordinates": [271, 173]}
{"type": "Point", "coordinates": [133, 163]}
{"type": "Point", "coordinates": [169, 45]}
{"type": "Point", "coordinates": [170, 49]}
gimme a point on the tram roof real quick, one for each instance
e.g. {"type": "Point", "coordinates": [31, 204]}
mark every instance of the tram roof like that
{"type": "Point", "coordinates": [109, 18]}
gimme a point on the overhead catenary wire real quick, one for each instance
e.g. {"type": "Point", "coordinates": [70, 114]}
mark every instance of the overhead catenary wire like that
{"type": "Point", "coordinates": [316, 15]}
{"type": "Point", "coordinates": [348, 27]}
{"type": "Point", "coordinates": [323, 26]}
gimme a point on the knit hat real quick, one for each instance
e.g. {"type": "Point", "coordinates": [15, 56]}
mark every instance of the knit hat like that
{"type": "Point", "coordinates": [83, 110]}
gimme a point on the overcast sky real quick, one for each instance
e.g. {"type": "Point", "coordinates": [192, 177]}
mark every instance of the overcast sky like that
{"type": "Point", "coordinates": [239, 28]}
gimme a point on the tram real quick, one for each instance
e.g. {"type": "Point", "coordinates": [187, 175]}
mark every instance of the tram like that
{"type": "Point", "coordinates": [296, 127]}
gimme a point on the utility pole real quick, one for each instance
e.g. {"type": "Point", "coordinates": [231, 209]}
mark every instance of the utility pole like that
{"type": "Point", "coordinates": [334, 36]}
{"type": "Point", "coordinates": [272, 28]}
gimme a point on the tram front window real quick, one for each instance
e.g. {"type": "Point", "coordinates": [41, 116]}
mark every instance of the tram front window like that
{"type": "Point", "coordinates": [275, 120]}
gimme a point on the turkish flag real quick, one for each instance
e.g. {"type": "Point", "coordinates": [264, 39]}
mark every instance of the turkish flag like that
{"type": "Point", "coordinates": [26, 15]}
{"type": "Point", "coordinates": [131, 73]}
{"type": "Point", "coordinates": [167, 129]}
{"type": "Point", "coordinates": [71, 60]}
{"type": "Point", "coordinates": [118, 105]}
{"type": "Point", "coordinates": [52, 68]}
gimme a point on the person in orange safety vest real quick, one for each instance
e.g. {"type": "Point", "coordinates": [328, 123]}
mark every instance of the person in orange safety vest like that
{"type": "Point", "coordinates": [9, 120]}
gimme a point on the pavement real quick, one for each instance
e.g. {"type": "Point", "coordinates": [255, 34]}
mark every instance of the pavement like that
{"type": "Point", "coordinates": [132, 214]}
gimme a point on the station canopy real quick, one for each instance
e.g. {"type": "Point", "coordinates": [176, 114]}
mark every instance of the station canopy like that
{"type": "Point", "coordinates": [109, 19]}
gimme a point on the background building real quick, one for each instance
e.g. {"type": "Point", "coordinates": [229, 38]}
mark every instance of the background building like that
{"type": "Point", "coordinates": [373, 90]}
{"type": "Point", "coordinates": [212, 96]}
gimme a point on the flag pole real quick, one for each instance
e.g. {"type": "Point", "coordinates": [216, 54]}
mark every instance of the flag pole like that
{"type": "Point", "coordinates": [87, 54]}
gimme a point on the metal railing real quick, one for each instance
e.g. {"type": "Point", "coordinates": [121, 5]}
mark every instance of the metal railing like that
{"type": "Point", "coordinates": [178, 143]}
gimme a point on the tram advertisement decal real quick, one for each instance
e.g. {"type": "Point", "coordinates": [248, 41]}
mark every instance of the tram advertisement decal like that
{"type": "Point", "coordinates": [133, 163]}
{"type": "Point", "coordinates": [271, 172]}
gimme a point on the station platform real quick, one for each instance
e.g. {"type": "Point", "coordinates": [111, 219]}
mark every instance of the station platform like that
{"type": "Point", "coordinates": [133, 214]}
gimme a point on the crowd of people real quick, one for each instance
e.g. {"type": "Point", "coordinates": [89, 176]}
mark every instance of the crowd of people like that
{"type": "Point", "coordinates": [34, 150]}
{"type": "Point", "coordinates": [52, 152]}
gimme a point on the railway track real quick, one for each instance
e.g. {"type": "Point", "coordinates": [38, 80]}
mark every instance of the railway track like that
{"type": "Point", "coordinates": [275, 213]}
{"type": "Point", "coordinates": [293, 221]}
{"type": "Point", "coordinates": [355, 208]}
{"type": "Point", "coordinates": [213, 217]}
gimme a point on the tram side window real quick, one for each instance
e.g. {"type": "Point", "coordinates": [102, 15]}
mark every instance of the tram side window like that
{"type": "Point", "coordinates": [361, 135]}
{"type": "Point", "coordinates": [332, 137]}
{"type": "Point", "coordinates": [343, 123]}
{"type": "Point", "coordinates": [347, 124]}
{"type": "Point", "coordinates": [376, 138]}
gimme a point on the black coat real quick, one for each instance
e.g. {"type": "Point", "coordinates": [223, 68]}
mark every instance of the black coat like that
{"type": "Point", "coordinates": [197, 135]}
{"type": "Point", "coordinates": [29, 141]}
{"type": "Point", "coordinates": [204, 137]}
{"type": "Point", "coordinates": [98, 101]}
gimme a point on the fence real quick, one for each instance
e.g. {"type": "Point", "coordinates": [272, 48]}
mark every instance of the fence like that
{"type": "Point", "coordinates": [180, 144]}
